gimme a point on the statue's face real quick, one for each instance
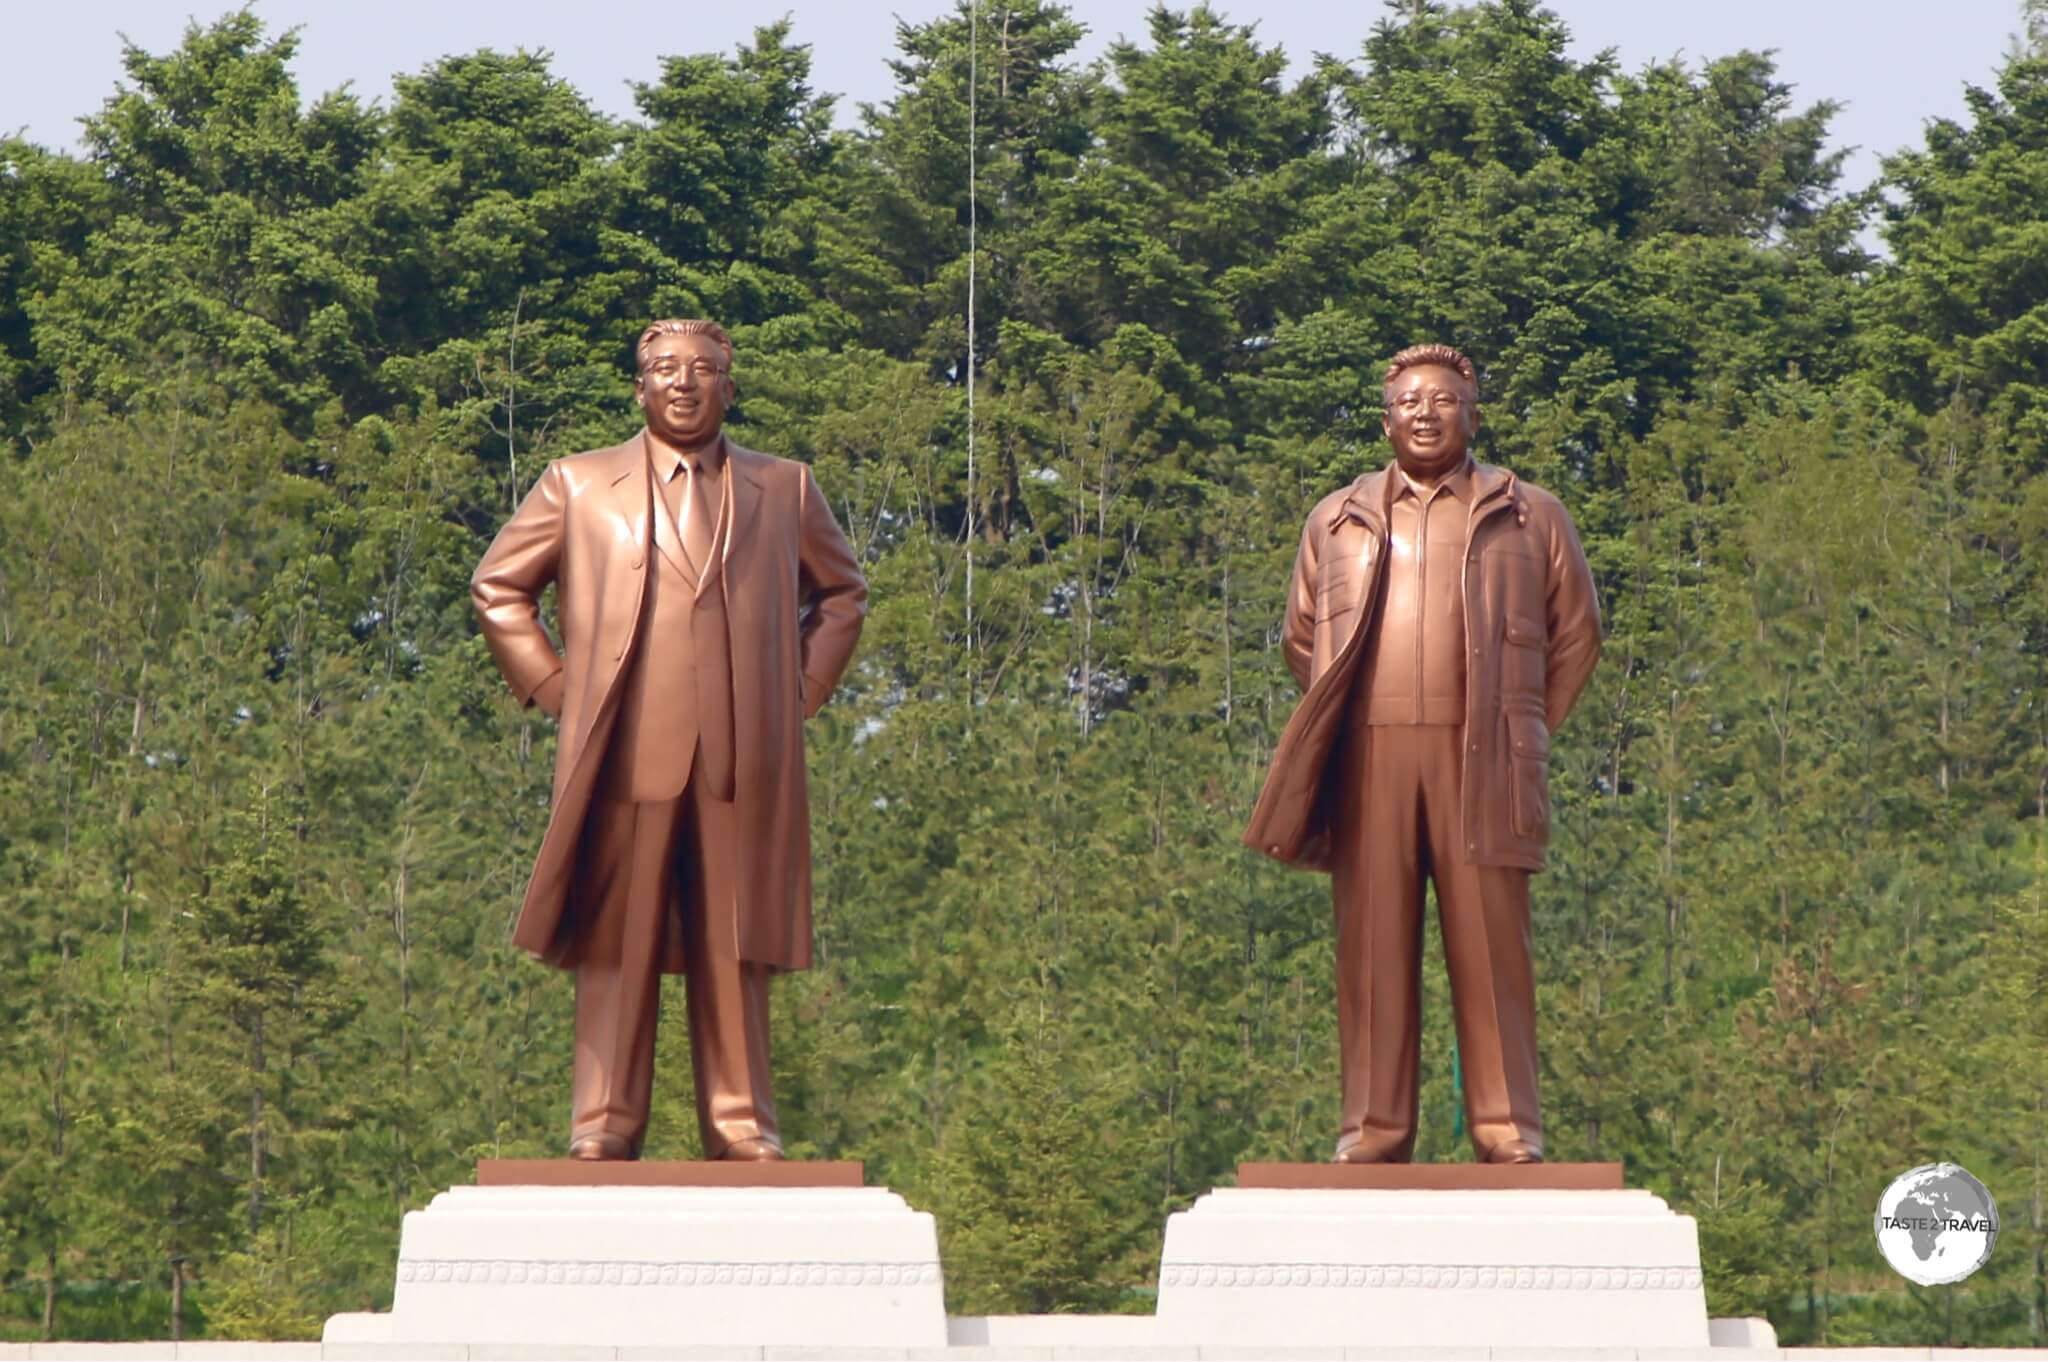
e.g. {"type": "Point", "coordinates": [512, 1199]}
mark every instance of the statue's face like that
{"type": "Point", "coordinates": [684, 388]}
{"type": "Point", "coordinates": [1432, 415]}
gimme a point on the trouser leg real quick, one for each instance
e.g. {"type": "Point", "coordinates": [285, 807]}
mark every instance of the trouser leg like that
{"type": "Point", "coordinates": [726, 996]}
{"type": "Point", "coordinates": [626, 853]}
{"type": "Point", "coordinates": [1376, 885]}
{"type": "Point", "coordinates": [1485, 915]}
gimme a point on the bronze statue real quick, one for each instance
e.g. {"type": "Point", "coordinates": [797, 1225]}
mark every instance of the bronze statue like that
{"type": "Point", "coordinates": [708, 604]}
{"type": "Point", "coordinates": [1442, 621]}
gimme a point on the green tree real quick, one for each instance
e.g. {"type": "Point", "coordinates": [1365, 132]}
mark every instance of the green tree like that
{"type": "Point", "coordinates": [1958, 311]}
{"type": "Point", "coordinates": [1026, 1178]}
{"type": "Point", "coordinates": [229, 246]}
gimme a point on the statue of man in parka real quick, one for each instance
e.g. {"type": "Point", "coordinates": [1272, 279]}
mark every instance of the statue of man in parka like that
{"type": "Point", "coordinates": [1442, 622]}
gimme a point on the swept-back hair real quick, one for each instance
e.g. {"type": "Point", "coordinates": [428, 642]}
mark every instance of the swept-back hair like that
{"type": "Point", "coordinates": [1442, 355]}
{"type": "Point", "coordinates": [681, 326]}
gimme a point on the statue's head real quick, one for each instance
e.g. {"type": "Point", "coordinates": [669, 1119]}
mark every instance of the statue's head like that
{"type": "Point", "coordinates": [685, 380]}
{"type": "Point", "coordinates": [1432, 409]}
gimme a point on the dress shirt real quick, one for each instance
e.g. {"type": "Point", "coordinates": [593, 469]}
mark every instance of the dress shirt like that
{"type": "Point", "coordinates": [680, 481]}
{"type": "Point", "coordinates": [1414, 672]}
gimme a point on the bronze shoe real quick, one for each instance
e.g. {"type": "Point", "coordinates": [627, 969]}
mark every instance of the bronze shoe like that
{"type": "Point", "coordinates": [1362, 1153]}
{"type": "Point", "coordinates": [761, 1149]}
{"type": "Point", "coordinates": [604, 1146]}
{"type": "Point", "coordinates": [1514, 1151]}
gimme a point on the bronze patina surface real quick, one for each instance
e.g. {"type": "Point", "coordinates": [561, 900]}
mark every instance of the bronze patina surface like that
{"type": "Point", "coordinates": [1442, 622]}
{"type": "Point", "coordinates": [708, 605]}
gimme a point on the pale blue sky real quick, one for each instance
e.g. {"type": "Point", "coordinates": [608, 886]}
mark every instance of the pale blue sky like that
{"type": "Point", "coordinates": [1894, 64]}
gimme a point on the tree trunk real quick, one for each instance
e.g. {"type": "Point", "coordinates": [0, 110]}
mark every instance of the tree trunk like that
{"type": "Point", "coordinates": [256, 1126]}
{"type": "Point", "coordinates": [402, 930]}
{"type": "Point", "coordinates": [2037, 1308]}
{"type": "Point", "coordinates": [1670, 857]}
{"type": "Point", "coordinates": [128, 797]}
{"type": "Point", "coordinates": [49, 1293]}
{"type": "Point", "coordinates": [1229, 691]}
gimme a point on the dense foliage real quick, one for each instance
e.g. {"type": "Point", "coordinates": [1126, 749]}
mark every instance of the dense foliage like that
{"type": "Point", "coordinates": [271, 373]}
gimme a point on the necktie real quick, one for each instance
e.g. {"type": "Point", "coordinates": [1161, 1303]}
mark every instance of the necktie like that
{"type": "Point", "coordinates": [700, 519]}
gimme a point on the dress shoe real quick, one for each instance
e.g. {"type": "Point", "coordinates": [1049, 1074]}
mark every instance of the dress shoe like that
{"type": "Point", "coordinates": [601, 1147]}
{"type": "Point", "coordinates": [1514, 1151]}
{"type": "Point", "coordinates": [758, 1150]}
{"type": "Point", "coordinates": [1362, 1153]}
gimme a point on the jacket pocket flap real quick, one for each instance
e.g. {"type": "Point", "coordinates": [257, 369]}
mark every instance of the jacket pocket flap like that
{"type": "Point", "coordinates": [1528, 735]}
{"type": "Point", "coordinates": [1519, 630]}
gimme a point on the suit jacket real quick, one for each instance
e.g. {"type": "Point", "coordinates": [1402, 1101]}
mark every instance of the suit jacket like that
{"type": "Point", "coordinates": [795, 598]}
{"type": "Point", "coordinates": [1532, 632]}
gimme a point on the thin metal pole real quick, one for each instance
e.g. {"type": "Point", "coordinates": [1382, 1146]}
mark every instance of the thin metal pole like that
{"type": "Point", "coordinates": [973, 226]}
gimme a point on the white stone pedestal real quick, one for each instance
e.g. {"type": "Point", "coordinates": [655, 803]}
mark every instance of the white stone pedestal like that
{"type": "Point", "coordinates": [618, 1266]}
{"type": "Point", "coordinates": [1411, 1268]}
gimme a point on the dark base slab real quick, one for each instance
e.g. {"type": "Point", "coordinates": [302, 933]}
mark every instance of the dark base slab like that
{"type": "Point", "coordinates": [1433, 1177]}
{"type": "Point", "coordinates": [663, 1173]}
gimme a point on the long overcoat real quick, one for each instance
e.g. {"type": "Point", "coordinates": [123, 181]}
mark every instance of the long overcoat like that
{"type": "Point", "coordinates": [1532, 635]}
{"type": "Point", "coordinates": [795, 600]}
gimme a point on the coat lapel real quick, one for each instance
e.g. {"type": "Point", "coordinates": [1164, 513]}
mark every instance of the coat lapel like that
{"type": "Point", "coordinates": [630, 495]}
{"type": "Point", "coordinates": [649, 507]}
{"type": "Point", "coordinates": [1367, 504]}
{"type": "Point", "coordinates": [743, 487]}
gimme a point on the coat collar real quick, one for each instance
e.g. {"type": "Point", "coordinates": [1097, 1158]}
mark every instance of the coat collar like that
{"type": "Point", "coordinates": [1372, 495]}
{"type": "Point", "coordinates": [745, 468]}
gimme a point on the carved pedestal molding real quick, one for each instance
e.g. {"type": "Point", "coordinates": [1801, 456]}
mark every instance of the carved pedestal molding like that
{"type": "Point", "coordinates": [1395, 1269]}
{"type": "Point", "coordinates": [617, 1266]}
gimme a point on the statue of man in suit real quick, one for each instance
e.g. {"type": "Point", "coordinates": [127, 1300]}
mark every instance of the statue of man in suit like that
{"type": "Point", "coordinates": [708, 604]}
{"type": "Point", "coordinates": [1442, 622]}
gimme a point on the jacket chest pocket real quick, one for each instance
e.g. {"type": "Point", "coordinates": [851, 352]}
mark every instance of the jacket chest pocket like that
{"type": "Point", "coordinates": [1528, 774]}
